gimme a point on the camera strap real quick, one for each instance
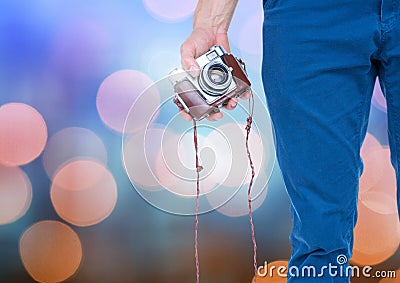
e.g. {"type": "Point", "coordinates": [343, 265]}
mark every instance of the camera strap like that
{"type": "Point", "coordinates": [253, 236]}
{"type": "Point", "coordinates": [196, 221]}
{"type": "Point", "coordinates": [249, 121]}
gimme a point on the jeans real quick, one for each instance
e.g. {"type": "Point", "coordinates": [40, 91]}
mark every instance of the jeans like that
{"type": "Point", "coordinates": [320, 62]}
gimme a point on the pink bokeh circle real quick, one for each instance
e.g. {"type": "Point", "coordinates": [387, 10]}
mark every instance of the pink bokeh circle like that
{"type": "Point", "coordinates": [23, 134]}
{"type": "Point", "coordinates": [170, 11]}
{"type": "Point", "coordinates": [118, 92]}
{"type": "Point", "coordinates": [15, 194]}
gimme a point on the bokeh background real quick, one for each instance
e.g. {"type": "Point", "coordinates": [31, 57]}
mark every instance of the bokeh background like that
{"type": "Point", "coordinates": [69, 72]}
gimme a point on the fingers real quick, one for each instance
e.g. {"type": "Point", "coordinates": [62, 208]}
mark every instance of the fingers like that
{"type": "Point", "coordinates": [185, 115]}
{"type": "Point", "coordinates": [231, 104]}
{"type": "Point", "coordinates": [214, 117]}
{"type": "Point", "coordinates": [246, 95]}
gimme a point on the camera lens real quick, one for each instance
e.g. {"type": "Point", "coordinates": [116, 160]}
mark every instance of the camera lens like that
{"type": "Point", "coordinates": [215, 78]}
{"type": "Point", "coordinates": [217, 75]}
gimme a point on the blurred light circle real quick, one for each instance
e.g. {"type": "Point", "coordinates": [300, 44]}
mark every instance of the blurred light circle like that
{"type": "Point", "coordinates": [378, 99]}
{"type": "Point", "coordinates": [238, 204]}
{"type": "Point", "coordinates": [83, 192]}
{"type": "Point", "coordinates": [387, 184]}
{"type": "Point", "coordinates": [140, 153]}
{"type": "Point", "coordinates": [170, 11]}
{"type": "Point", "coordinates": [370, 143]}
{"type": "Point", "coordinates": [144, 111]}
{"type": "Point", "coordinates": [219, 144]}
{"type": "Point", "coordinates": [176, 164]}
{"type": "Point", "coordinates": [379, 202]}
{"type": "Point", "coordinates": [72, 143]}
{"type": "Point", "coordinates": [23, 134]}
{"type": "Point", "coordinates": [239, 168]}
{"type": "Point", "coordinates": [376, 165]}
{"type": "Point", "coordinates": [170, 168]}
{"type": "Point", "coordinates": [165, 176]}
{"type": "Point", "coordinates": [50, 251]}
{"type": "Point", "coordinates": [273, 272]}
{"type": "Point", "coordinates": [245, 10]}
{"type": "Point", "coordinates": [118, 92]}
{"type": "Point", "coordinates": [250, 36]}
{"type": "Point", "coordinates": [377, 232]}
{"type": "Point", "coordinates": [185, 149]}
{"type": "Point", "coordinates": [15, 194]}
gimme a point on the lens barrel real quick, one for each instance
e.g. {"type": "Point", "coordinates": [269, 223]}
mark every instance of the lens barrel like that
{"type": "Point", "coordinates": [215, 78]}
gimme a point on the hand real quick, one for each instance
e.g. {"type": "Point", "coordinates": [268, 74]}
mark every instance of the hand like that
{"type": "Point", "coordinates": [198, 43]}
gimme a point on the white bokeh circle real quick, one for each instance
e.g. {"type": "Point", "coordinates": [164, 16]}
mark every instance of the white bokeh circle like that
{"type": "Point", "coordinates": [170, 11]}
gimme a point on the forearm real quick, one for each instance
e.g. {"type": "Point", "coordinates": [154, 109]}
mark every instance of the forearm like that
{"type": "Point", "coordinates": [214, 14]}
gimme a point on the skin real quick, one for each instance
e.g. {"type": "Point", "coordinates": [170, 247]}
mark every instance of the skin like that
{"type": "Point", "coordinates": [210, 27]}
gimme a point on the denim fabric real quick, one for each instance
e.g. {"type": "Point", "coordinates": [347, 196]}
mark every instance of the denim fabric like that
{"type": "Point", "coordinates": [320, 62]}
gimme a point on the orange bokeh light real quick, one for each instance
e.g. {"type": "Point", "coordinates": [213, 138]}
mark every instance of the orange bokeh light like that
{"type": "Point", "coordinates": [379, 161]}
{"type": "Point", "coordinates": [50, 251]}
{"type": "Point", "coordinates": [272, 272]}
{"type": "Point", "coordinates": [83, 192]}
{"type": "Point", "coordinates": [377, 233]}
{"type": "Point", "coordinates": [23, 134]}
{"type": "Point", "coordinates": [377, 167]}
{"type": "Point", "coordinates": [369, 143]}
{"type": "Point", "coordinates": [387, 184]}
{"type": "Point", "coordinates": [235, 201]}
{"type": "Point", "coordinates": [15, 194]}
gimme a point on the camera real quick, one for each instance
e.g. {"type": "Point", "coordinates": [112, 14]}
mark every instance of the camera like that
{"type": "Point", "coordinates": [222, 77]}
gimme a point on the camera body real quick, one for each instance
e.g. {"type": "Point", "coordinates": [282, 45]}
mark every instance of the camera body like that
{"type": "Point", "coordinates": [222, 77]}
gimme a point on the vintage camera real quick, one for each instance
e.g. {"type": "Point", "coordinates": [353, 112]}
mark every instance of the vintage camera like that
{"type": "Point", "coordinates": [222, 76]}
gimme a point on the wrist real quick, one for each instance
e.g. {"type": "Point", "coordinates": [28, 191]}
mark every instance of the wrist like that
{"type": "Point", "coordinates": [213, 15]}
{"type": "Point", "coordinates": [214, 24]}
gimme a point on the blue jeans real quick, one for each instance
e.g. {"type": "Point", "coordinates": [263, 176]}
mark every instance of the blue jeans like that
{"type": "Point", "coordinates": [320, 62]}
